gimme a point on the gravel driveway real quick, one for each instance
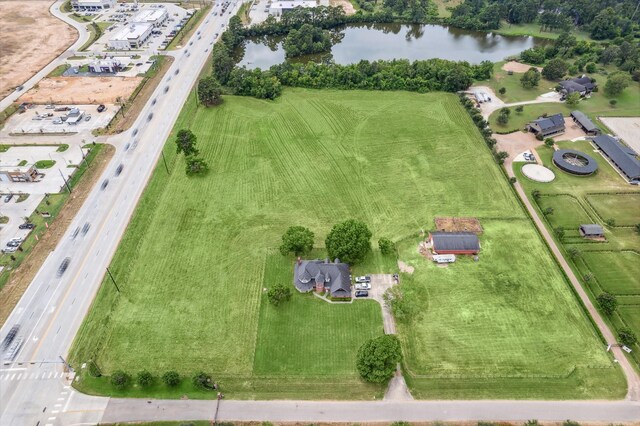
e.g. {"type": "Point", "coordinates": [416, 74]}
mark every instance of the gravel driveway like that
{"type": "Point", "coordinates": [379, 284]}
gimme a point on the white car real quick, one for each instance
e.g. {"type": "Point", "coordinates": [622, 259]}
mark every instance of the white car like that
{"type": "Point", "coordinates": [363, 279]}
{"type": "Point", "coordinates": [363, 286]}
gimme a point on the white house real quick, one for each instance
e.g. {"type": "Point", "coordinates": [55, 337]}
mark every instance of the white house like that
{"type": "Point", "coordinates": [131, 37]}
{"type": "Point", "coordinates": [155, 17]}
{"type": "Point", "coordinates": [92, 5]}
{"type": "Point", "coordinates": [279, 7]}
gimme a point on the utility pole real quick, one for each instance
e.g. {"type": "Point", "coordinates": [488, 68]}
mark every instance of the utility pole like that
{"type": "Point", "coordinates": [65, 181]}
{"type": "Point", "coordinates": [113, 280]}
{"type": "Point", "coordinates": [84, 157]}
{"type": "Point", "coordinates": [165, 162]}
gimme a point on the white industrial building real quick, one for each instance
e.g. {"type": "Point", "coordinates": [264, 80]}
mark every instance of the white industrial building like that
{"type": "Point", "coordinates": [110, 66]}
{"type": "Point", "coordinates": [92, 5]}
{"type": "Point", "coordinates": [279, 7]}
{"type": "Point", "coordinates": [155, 17]}
{"type": "Point", "coordinates": [131, 37]}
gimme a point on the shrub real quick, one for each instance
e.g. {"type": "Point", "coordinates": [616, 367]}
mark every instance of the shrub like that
{"type": "Point", "coordinates": [386, 246]}
{"type": "Point", "coordinates": [171, 378]}
{"type": "Point", "coordinates": [627, 337]}
{"type": "Point", "coordinates": [512, 180]}
{"type": "Point", "coordinates": [145, 379]}
{"type": "Point", "coordinates": [539, 137]}
{"type": "Point", "coordinates": [549, 142]}
{"type": "Point", "coordinates": [613, 102]}
{"type": "Point", "coordinates": [502, 90]}
{"type": "Point", "coordinates": [608, 302]}
{"type": "Point", "coordinates": [519, 109]}
{"type": "Point", "coordinates": [202, 380]}
{"type": "Point", "coordinates": [120, 380]}
{"type": "Point", "coordinates": [94, 371]}
{"type": "Point", "coordinates": [610, 222]}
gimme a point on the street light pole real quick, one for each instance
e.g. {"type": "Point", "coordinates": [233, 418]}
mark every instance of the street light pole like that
{"type": "Point", "coordinates": [65, 181]}
{"type": "Point", "coordinates": [113, 280]}
{"type": "Point", "coordinates": [165, 162]}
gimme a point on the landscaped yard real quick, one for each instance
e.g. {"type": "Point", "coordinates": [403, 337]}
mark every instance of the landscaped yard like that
{"type": "Point", "coordinates": [612, 265]}
{"type": "Point", "coordinates": [199, 252]}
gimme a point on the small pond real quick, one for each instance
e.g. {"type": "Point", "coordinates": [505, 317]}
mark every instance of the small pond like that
{"type": "Point", "coordinates": [394, 41]}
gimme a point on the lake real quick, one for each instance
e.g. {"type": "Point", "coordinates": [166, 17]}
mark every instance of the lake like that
{"type": "Point", "coordinates": [394, 41]}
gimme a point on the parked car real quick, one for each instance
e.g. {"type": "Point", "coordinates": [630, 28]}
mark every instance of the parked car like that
{"type": "Point", "coordinates": [63, 266]}
{"type": "Point", "coordinates": [101, 108]}
{"type": "Point", "coordinates": [363, 286]}
{"type": "Point", "coordinates": [362, 293]}
{"type": "Point", "coordinates": [26, 226]}
{"type": "Point", "coordinates": [363, 279]}
{"type": "Point", "coordinates": [87, 117]}
{"type": "Point", "coordinates": [8, 198]}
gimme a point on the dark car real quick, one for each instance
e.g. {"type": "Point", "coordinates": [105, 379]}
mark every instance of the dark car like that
{"type": "Point", "coordinates": [85, 228]}
{"type": "Point", "coordinates": [362, 293]}
{"type": "Point", "coordinates": [101, 108]}
{"type": "Point", "coordinates": [26, 226]}
{"type": "Point", "coordinates": [10, 336]}
{"type": "Point", "coordinates": [63, 266]}
{"type": "Point", "coordinates": [119, 169]}
{"type": "Point", "coordinates": [104, 184]}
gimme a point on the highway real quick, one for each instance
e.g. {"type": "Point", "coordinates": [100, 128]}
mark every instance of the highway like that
{"type": "Point", "coordinates": [35, 388]}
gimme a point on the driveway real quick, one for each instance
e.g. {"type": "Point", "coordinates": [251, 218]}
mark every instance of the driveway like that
{"type": "Point", "coordinates": [379, 284]}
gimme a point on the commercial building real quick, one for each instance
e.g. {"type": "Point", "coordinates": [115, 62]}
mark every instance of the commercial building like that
{"type": "Point", "coordinates": [454, 242]}
{"type": "Point", "coordinates": [280, 7]}
{"type": "Point", "coordinates": [108, 66]}
{"type": "Point", "coordinates": [624, 158]}
{"type": "Point", "coordinates": [18, 173]}
{"type": "Point", "coordinates": [92, 5]}
{"type": "Point", "coordinates": [74, 116]}
{"type": "Point", "coordinates": [547, 126]}
{"type": "Point", "coordinates": [585, 123]}
{"type": "Point", "coordinates": [155, 17]}
{"type": "Point", "coordinates": [131, 37]}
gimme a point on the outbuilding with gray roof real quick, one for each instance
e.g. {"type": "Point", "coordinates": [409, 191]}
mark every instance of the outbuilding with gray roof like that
{"type": "Point", "coordinates": [623, 157]}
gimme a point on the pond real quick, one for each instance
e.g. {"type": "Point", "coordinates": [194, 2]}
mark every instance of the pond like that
{"type": "Point", "coordinates": [394, 41]}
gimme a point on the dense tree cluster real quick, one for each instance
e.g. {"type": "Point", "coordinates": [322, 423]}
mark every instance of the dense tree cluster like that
{"type": "Point", "coordinates": [605, 19]}
{"type": "Point", "coordinates": [306, 40]}
{"type": "Point", "coordinates": [209, 91]}
{"type": "Point", "coordinates": [349, 241]}
{"type": "Point", "coordinates": [378, 358]}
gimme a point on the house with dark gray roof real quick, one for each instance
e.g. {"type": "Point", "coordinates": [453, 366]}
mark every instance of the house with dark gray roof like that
{"type": "Point", "coordinates": [624, 158]}
{"type": "Point", "coordinates": [585, 123]}
{"type": "Point", "coordinates": [323, 275]}
{"type": "Point", "coordinates": [454, 242]}
{"type": "Point", "coordinates": [547, 126]}
{"type": "Point", "coordinates": [582, 85]}
{"type": "Point", "coordinates": [591, 230]}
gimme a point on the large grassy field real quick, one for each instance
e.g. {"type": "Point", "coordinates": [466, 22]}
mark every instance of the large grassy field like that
{"type": "Point", "coordinates": [613, 264]}
{"type": "Point", "coordinates": [199, 251]}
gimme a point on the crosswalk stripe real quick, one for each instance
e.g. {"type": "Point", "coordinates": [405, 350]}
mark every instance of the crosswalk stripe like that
{"type": "Point", "coordinates": [19, 376]}
{"type": "Point", "coordinates": [14, 375]}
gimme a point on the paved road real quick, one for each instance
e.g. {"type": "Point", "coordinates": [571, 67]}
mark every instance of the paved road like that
{"type": "Point", "coordinates": [53, 307]}
{"type": "Point", "coordinates": [35, 389]}
{"type": "Point", "coordinates": [83, 36]}
{"type": "Point", "coordinates": [310, 411]}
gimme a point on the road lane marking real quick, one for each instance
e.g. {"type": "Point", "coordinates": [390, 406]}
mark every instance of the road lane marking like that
{"type": "Point", "coordinates": [14, 375]}
{"type": "Point", "coordinates": [50, 374]}
{"type": "Point", "coordinates": [19, 376]}
{"type": "Point", "coordinates": [14, 369]}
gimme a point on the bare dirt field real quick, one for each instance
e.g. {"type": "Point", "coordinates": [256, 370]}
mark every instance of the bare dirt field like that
{"type": "Point", "coordinates": [517, 67]}
{"type": "Point", "coordinates": [626, 128]}
{"type": "Point", "coordinates": [31, 38]}
{"type": "Point", "coordinates": [458, 224]}
{"type": "Point", "coordinates": [81, 90]}
{"type": "Point", "coordinates": [345, 4]}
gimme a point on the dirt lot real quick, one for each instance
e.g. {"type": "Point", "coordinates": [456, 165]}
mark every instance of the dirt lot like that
{"type": "Point", "coordinates": [458, 224]}
{"type": "Point", "coordinates": [626, 128]}
{"type": "Point", "coordinates": [23, 275]}
{"type": "Point", "coordinates": [81, 90]}
{"type": "Point", "coordinates": [517, 67]}
{"type": "Point", "coordinates": [346, 5]}
{"type": "Point", "coordinates": [31, 38]}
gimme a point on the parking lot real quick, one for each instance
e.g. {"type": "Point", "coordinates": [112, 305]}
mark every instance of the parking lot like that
{"type": "Point", "coordinates": [36, 120]}
{"type": "Point", "coordinates": [121, 16]}
{"type": "Point", "coordinates": [16, 212]}
{"type": "Point", "coordinates": [132, 65]}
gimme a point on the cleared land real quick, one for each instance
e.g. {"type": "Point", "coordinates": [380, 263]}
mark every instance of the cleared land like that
{"type": "Point", "coordinates": [82, 90]}
{"type": "Point", "coordinates": [627, 128]}
{"type": "Point", "coordinates": [31, 38]}
{"type": "Point", "coordinates": [394, 160]}
{"type": "Point", "coordinates": [613, 264]}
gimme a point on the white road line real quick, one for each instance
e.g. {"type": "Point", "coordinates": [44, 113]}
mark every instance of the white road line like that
{"type": "Point", "coordinates": [43, 374]}
{"type": "Point", "coordinates": [14, 369]}
{"type": "Point", "coordinates": [19, 376]}
{"type": "Point", "coordinates": [63, 393]}
{"type": "Point", "coordinates": [50, 374]}
{"type": "Point", "coordinates": [66, 406]}
{"type": "Point", "coordinates": [58, 405]}
{"type": "Point", "coordinates": [14, 375]}
{"type": "Point", "coordinates": [66, 387]}
{"type": "Point", "coordinates": [61, 399]}
{"type": "Point", "coordinates": [55, 412]}
{"type": "Point", "coordinates": [51, 418]}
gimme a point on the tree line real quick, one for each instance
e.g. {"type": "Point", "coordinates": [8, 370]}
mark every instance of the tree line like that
{"type": "Point", "coordinates": [605, 19]}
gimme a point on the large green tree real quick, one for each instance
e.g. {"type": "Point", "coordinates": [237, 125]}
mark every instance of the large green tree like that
{"type": "Point", "coordinates": [530, 78]}
{"type": "Point", "coordinates": [209, 91]}
{"type": "Point", "coordinates": [608, 303]}
{"type": "Point", "coordinates": [349, 241]}
{"type": "Point", "coordinates": [186, 142]}
{"type": "Point", "coordinates": [555, 69]}
{"type": "Point", "coordinates": [222, 63]}
{"type": "Point", "coordinates": [296, 239]}
{"type": "Point", "coordinates": [278, 294]}
{"type": "Point", "coordinates": [378, 358]}
{"type": "Point", "coordinates": [196, 166]}
{"type": "Point", "coordinates": [616, 83]}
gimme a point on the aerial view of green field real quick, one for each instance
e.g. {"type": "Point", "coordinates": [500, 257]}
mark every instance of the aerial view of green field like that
{"type": "Point", "coordinates": [200, 250]}
{"type": "Point", "coordinates": [605, 199]}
